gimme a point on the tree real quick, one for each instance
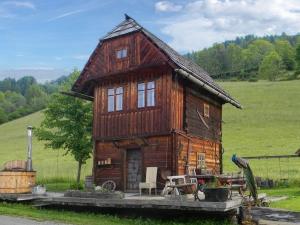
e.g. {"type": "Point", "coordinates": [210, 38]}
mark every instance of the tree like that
{"type": "Point", "coordinates": [270, 66]}
{"type": "Point", "coordinates": [36, 97]}
{"type": "Point", "coordinates": [286, 52]}
{"type": "Point", "coordinates": [298, 58]}
{"type": "Point", "coordinates": [3, 116]}
{"type": "Point", "coordinates": [67, 125]}
{"type": "Point", "coordinates": [25, 82]}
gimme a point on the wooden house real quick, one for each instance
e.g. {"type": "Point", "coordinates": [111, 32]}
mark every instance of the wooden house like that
{"type": "Point", "coordinates": [152, 108]}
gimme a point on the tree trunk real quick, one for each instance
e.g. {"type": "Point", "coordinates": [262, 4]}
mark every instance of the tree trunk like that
{"type": "Point", "coordinates": [78, 172]}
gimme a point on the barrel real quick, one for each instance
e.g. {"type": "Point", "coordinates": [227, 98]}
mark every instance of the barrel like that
{"type": "Point", "coordinates": [89, 183]}
{"type": "Point", "coordinates": [15, 182]}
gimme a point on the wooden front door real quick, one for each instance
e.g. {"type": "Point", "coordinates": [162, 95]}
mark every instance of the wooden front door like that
{"type": "Point", "coordinates": [134, 169]}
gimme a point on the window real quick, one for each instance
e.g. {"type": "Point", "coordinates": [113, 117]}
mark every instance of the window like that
{"type": "Point", "coordinates": [141, 95]}
{"type": "Point", "coordinates": [122, 53]}
{"type": "Point", "coordinates": [114, 99]}
{"type": "Point", "coordinates": [206, 110]}
{"type": "Point", "coordinates": [146, 94]}
{"type": "Point", "coordinates": [200, 160]}
{"type": "Point", "coordinates": [151, 93]}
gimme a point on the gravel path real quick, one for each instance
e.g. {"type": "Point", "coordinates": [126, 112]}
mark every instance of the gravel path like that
{"type": "Point", "coordinates": [9, 220]}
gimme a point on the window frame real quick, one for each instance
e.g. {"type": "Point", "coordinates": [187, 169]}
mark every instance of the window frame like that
{"type": "Point", "coordinates": [121, 50]}
{"type": "Point", "coordinates": [145, 91]}
{"type": "Point", "coordinates": [201, 163]}
{"type": "Point", "coordinates": [206, 110]}
{"type": "Point", "coordinates": [115, 96]}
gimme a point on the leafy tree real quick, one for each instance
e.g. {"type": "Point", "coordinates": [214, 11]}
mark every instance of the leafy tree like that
{"type": "Point", "coordinates": [298, 58]}
{"type": "Point", "coordinates": [3, 116]}
{"type": "Point", "coordinates": [286, 52]}
{"type": "Point", "coordinates": [67, 125]}
{"type": "Point", "coordinates": [36, 97]}
{"type": "Point", "coordinates": [25, 82]}
{"type": "Point", "coordinates": [270, 66]}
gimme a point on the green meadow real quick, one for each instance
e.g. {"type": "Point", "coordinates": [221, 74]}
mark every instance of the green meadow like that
{"type": "Point", "coordinates": [269, 124]}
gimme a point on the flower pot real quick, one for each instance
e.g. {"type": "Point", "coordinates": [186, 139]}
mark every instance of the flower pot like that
{"type": "Point", "coordinates": [216, 194]}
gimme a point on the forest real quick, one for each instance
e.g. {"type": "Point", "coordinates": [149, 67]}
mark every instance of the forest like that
{"type": "Point", "coordinates": [275, 57]}
{"type": "Point", "coordinates": [24, 96]}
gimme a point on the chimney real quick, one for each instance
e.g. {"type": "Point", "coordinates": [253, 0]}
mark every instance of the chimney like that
{"type": "Point", "coordinates": [29, 149]}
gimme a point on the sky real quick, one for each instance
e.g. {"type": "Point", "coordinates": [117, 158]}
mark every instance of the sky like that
{"type": "Point", "coordinates": [49, 38]}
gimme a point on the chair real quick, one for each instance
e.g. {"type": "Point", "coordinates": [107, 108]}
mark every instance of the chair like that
{"type": "Point", "coordinates": [192, 172]}
{"type": "Point", "coordinates": [151, 176]}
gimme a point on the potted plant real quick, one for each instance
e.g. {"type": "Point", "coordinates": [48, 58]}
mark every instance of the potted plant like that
{"type": "Point", "coordinates": [214, 192]}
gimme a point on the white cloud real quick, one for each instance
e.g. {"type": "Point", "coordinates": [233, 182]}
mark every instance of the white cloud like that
{"type": "Point", "coordinates": [22, 4]}
{"type": "Point", "coordinates": [66, 14]}
{"type": "Point", "coordinates": [81, 57]}
{"type": "Point", "coordinates": [166, 6]}
{"type": "Point", "coordinates": [204, 22]}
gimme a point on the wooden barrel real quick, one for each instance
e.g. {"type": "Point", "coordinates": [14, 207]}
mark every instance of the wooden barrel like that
{"type": "Point", "coordinates": [89, 183]}
{"type": "Point", "coordinates": [16, 181]}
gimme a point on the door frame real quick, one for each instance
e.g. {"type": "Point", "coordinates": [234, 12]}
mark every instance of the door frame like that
{"type": "Point", "coordinates": [125, 169]}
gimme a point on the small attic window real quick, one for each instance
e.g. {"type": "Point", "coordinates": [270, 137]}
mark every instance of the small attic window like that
{"type": "Point", "coordinates": [121, 53]}
{"type": "Point", "coordinates": [206, 110]}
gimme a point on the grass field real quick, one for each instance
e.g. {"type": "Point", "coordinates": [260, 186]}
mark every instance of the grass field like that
{"type": "Point", "coordinates": [49, 163]}
{"type": "Point", "coordinates": [269, 124]}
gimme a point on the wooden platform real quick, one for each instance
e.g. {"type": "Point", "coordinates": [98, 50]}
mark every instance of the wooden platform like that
{"type": "Point", "coordinates": [145, 202]}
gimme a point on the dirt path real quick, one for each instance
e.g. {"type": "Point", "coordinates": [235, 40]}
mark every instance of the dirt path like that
{"type": "Point", "coordinates": [10, 220]}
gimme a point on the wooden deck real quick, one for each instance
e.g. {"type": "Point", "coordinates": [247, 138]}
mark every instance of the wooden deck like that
{"type": "Point", "coordinates": [145, 202]}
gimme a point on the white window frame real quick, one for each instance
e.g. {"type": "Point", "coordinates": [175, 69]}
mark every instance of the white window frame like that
{"type": "Point", "coordinates": [115, 98]}
{"type": "Point", "coordinates": [146, 94]}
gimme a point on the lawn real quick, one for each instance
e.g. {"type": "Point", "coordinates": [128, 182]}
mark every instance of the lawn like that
{"type": "Point", "coordinates": [269, 124]}
{"type": "Point", "coordinates": [293, 201]}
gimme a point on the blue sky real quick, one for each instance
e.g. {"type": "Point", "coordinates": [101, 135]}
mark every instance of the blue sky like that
{"type": "Point", "coordinates": [51, 37]}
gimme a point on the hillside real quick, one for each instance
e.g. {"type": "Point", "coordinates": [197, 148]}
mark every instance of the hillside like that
{"type": "Point", "coordinates": [269, 124]}
{"type": "Point", "coordinates": [48, 163]}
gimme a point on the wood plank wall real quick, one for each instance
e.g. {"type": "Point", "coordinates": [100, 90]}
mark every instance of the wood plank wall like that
{"type": "Point", "coordinates": [140, 50]}
{"type": "Point", "coordinates": [191, 146]}
{"type": "Point", "coordinates": [157, 154]}
{"type": "Point", "coordinates": [132, 121]}
{"type": "Point", "coordinates": [194, 124]}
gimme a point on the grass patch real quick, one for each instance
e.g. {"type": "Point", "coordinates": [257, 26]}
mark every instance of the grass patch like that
{"type": "Point", "coordinates": [293, 201]}
{"type": "Point", "coordinates": [268, 125]}
{"type": "Point", "coordinates": [91, 218]}
{"type": "Point", "coordinates": [48, 163]}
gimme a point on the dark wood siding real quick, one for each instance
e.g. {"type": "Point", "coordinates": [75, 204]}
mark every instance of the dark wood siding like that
{"type": "Point", "coordinates": [158, 154]}
{"type": "Point", "coordinates": [141, 52]}
{"type": "Point", "coordinates": [132, 121]}
{"type": "Point", "coordinates": [194, 124]}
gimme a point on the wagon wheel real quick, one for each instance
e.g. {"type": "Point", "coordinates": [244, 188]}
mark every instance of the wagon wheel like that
{"type": "Point", "coordinates": [109, 185]}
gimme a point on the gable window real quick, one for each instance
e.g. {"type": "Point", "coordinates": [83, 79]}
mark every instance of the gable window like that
{"type": "Point", "coordinates": [206, 110]}
{"type": "Point", "coordinates": [115, 99]}
{"type": "Point", "coordinates": [122, 53]}
{"type": "Point", "coordinates": [146, 94]}
{"type": "Point", "coordinates": [200, 160]}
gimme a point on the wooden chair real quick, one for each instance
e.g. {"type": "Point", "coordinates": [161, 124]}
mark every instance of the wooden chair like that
{"type": "Point", "coordinates": [151, 177]}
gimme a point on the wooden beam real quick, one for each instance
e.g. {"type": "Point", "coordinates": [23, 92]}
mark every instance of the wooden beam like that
{"type": "Point", "coordinates": [271, 157]}
{"type": "Point", "coordinates": [78, 95]}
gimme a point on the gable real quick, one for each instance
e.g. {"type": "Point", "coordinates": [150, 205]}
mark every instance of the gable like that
{"type": "Point", "coordinates": [145, 50]}
{"type": "Point", "coordinates": [141, 53]}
